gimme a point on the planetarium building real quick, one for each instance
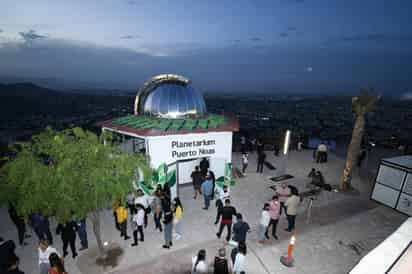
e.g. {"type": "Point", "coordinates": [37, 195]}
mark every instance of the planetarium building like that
{"type": "Point", "coordinates": [171, 125]}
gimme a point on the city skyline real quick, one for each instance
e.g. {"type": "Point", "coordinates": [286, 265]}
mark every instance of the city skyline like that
{"type": "Point", "coordinates": [293, 46]}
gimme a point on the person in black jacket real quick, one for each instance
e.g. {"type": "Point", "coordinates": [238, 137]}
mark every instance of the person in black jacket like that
{"type": "Point", "coordinates": [204, 166]}
{"type": "Point", "coordinates": [13, 266]}
{"type": "Point", "coordinates": [68, 234]}
{"type": "Point", "coordinates": [19, 223]}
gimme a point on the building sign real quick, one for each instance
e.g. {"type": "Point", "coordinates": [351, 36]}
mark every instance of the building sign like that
{"type": "Point", "coordinates": [193, 149]}
{"type": "Point", "coordinates": [171, 148]}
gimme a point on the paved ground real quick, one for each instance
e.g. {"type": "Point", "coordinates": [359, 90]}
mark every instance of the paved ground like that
{"type": "Point", "coordinates": [342, 228]}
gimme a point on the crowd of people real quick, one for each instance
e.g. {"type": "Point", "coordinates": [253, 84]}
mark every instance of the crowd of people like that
{"type": "Point", "coordinates": [131, 220]}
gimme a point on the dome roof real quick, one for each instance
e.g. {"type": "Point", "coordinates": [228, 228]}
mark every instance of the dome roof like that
{"type": "Point", "coordinates": [169, 96]}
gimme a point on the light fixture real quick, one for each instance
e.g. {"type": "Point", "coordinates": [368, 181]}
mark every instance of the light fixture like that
{"type": "Point", "coordinates": [287, 141]}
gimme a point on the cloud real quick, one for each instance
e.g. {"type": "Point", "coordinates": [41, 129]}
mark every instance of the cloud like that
{"type": "Point", "coordinates": [31, 35]}
{"type": "Point", "coordinates": [373, 37]}
{"type": "Point", "coordinates": [256, 39]}
{"type": "Point", "coordinates": [283, 34]}
{"type": "Point", "coordinates": [407, 96]}
{"type": "Point", "coordinates": [130, 37]}
{"type": "Point", "coordinates": [132, 2]}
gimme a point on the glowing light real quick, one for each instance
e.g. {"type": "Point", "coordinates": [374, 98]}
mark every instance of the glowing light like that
{"type": "Point", "coordinates": [287, 141]}
{"type": "Point", "coordinates": [292, 240]}
{"type": "Point", "coordinates": [106, 243]}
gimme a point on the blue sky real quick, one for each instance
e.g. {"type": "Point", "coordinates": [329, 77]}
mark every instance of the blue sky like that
{"type": "Point", "coordinates": [275, 46]}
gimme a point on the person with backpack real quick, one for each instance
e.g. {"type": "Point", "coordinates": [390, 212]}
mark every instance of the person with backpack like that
{"type": "Point", "coordinates": [199, 264]}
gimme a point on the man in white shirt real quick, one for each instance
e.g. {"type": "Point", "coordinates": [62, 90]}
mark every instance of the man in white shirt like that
{"type": "Point", "coordinates": [137, 223]}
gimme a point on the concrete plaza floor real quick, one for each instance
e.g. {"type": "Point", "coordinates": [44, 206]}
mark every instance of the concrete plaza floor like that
{"type": "Point", "coordinates": [342, 229]}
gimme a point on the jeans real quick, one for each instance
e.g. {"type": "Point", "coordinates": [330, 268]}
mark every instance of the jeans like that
{"type": "Point", "coordinates": [291, 222]}
{"type": "Point", "coordinates": [168, 231]}
{"type": "Point", "coordinates": [261, 231]}
{"type": "Point", "coordinates": [229, 230]}
{"type": "Point", "coordinates": [157, 217]}
{"type": "Point", "coordinates": [44, 268]}
{"type": "Point", "coordinates": [178, 227]}
{"type": "Point", "coordinates": [274, 224]}
{"type": "Point", "coordinates": [83, 238]}
{"type": "Point", "coordinates": [207, 200]}
{"type": "Point", "coordinates": [244, 167]}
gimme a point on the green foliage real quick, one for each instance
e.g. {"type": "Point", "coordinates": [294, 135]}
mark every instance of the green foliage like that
{"type": "Point", "coordinates": [65, 172]}
{"type": "Point", "coordinates": [365, 102]}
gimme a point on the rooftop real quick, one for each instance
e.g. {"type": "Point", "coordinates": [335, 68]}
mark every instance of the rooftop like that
{"type": "Point", "coordinates": [151, 126]}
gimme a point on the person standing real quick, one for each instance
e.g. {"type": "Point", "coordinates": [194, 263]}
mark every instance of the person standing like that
{"type": "Point", "coordinates": [82, 232]}
{"type": "Point", "coordinates": [19, 223]}
{"type": "Point", "coordinates": [211, 174]}
{"type": "Point", "coordinates": [245, 162]}
{"type": "Point", "coordinates": [157, 209]}
{"type": "Point", "coordinates": [283, 192]}
{"type": "Point", "coordinates": [260, 162]}
{"type": "Point", "coordinates": [264, 223]}
{"type": "Point", "coordinates": [300, 144]}
{"type": "Point", "coordinates": [240, 229]}
{"type": "Point", "coordinates": [239, 265]}
{"type": "Point", "coordinates": [197, 181]}
{"type": "Point", "coordinates": [274, 209]}
{"type": "Point", "coordinates": [178, 215]}
{"type": "Point", "coordinates": [228, 212]}
{"type": "Point", "coordinates": [221, 265]}
{"type": "Point", "coordinates": [207, 188]}
{"type": "Point", "coordinates": [204, 166]}
{"type": "Point", "coordinates": [121, 214]}
{"type": "Point", "coordinates": [144, 201]}
{"type": "Point", "coordinates": [292, 204]}
{"type": "Point", "coordinates": [45, 250]}
{"type": "Point", "coordinates": [68, 234]}
{"type": "Point", "coordinates": [137, 224]}
{"type": "Point", "coordinates": [167, 222]}
{"type": "Point", "coordinates": [56, 264]}
{"type": "Point", "coordinates": [199, 264]}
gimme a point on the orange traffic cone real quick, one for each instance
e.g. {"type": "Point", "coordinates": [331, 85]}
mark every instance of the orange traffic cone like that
{"type": "Point", "coordinates": [288, 260]}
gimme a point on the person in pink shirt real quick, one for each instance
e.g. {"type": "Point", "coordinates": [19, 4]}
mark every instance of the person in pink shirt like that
{"type": "Point", "coordinates": [283, 191]}
{"type": "Point", "coordinates": [274, 211]}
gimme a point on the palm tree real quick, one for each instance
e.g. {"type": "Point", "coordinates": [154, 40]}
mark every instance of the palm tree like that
{"type": "Point", "coordinates": [361, 105]}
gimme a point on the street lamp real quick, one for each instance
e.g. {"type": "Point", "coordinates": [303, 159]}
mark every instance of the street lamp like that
{"type": "Point", "coordinates": [287, 142]}
{"type": "Point", "coordinates": [282, 165]}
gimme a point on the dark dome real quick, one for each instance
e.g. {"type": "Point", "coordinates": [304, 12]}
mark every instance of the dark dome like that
{"type": "Point", "coordinates": [169, 96]}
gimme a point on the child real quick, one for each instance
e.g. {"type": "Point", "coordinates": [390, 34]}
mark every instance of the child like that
{"type": "Point", "coordinates": [264, 223]}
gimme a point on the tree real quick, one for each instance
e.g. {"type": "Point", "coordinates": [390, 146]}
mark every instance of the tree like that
{"type": "Point", "coordinates": [69, 173]}
{"type": "Point", "coordinates": [361, 105]}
